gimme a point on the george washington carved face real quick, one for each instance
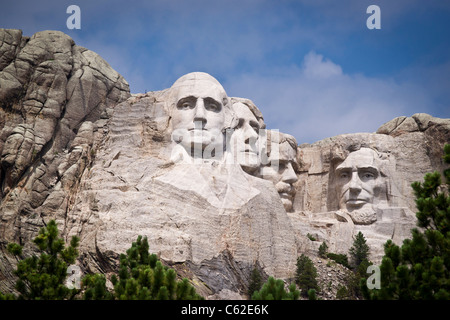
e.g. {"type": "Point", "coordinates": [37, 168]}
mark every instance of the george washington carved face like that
{"type": "Point", "coordinates": [198, 114]}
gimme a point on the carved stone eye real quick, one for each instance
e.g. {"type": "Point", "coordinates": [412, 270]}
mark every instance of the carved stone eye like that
{"type": "Point", "coordinates": [344, 175]}
{"type": "Point", "coordinates": [186, 105]}
{"type": "Point", "coordinates": [367, 176]}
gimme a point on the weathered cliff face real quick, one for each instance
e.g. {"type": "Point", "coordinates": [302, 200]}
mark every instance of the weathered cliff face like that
{"type": "Point", "coordinates": [211, 217]}
{"type": "Point", "coordinates": [403, 151]}
{"type": "Point", "coordinates": [76, 147]}
{"type": "Point", "coordinates": [51, 92]}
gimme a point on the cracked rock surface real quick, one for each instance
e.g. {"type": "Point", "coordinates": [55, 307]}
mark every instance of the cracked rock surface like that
{"type": "Point", "coordinates": [51, 94]}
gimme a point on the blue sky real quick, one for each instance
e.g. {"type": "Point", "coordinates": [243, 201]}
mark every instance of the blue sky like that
{"type": "Point", "coordinates": [313, 67]}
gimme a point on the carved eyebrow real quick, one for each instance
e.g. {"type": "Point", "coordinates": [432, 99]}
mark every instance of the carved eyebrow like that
{"type": "Point", "coordinates": [368, 168]}
{"type": "Point", "coordinates": [339, 168]}
{"type": "Point", "coordinates": [254, 124]}
{"type": "Point", "coordinates": [209, 100]}
{"type": "Point", "coordinates": [186, 99]}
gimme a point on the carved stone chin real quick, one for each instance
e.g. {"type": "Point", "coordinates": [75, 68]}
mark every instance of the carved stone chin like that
{"type": "Point", "coordinates": [365, 215]}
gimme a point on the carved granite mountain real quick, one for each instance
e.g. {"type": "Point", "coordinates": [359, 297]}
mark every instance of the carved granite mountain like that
{"type": "Point", "coordinates": [400, 152]}
{"type": "Point", "coordinates": [190, 168]}
{"type": "Point", "coordinates": [51, 92]}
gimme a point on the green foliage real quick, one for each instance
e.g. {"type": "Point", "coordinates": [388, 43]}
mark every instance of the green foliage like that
{"type": "Point", "coordinates": [255, 281]}
{"type": "Point", "coordinates": [7, 296]}
{"type": "Point", "coordinates": [95, 287]}
{"type": "Point", "coordinates": [312, 294]}
{"type": "Point", "coordinates": [323, 249]}
{"type": "Point", "coordinates": [43, 277]}
{"type": "Point", "coordinates": [339, 258]}
{"type": "Point", "coordinates": [360, 250]}
{"type": "Point", "coordinates": [352, 288]}
{"type": "Point", "coordinates": [273, 289]}
{"type": "Point", "coordinates": [311, 237]}
{"type": "Point", "coordinates": [141, 277]}
{"type": "Point", "coordinates": [342, 293]}
{"type": "Point", "coordinates": [419, 269]}
{"type": "Point", "coordinates": [306, 275]}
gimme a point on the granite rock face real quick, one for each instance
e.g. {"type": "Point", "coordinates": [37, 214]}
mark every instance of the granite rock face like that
{"type": "Point", "coordinates": [211, 218]}
{"type": "Point", "coordinates": [77, 147]}
{"type": "Point", "coordinates": [404, 149]}
{"type": "Point", "coordinates": [51, 93]}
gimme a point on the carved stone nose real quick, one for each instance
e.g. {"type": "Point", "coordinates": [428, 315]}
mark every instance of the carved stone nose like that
{"type": "Point", "coordinates": [289, 175]}
{"type": "Point", "coordinates": [355, 183]}
{"type": "Point", "coordinates": [200, 111]}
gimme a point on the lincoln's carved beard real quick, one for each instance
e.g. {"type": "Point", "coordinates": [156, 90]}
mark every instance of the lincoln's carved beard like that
{"type": "Point", "coordinates": [364, 215]}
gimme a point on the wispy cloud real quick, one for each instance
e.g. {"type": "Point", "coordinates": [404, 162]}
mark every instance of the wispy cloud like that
{"type": "Point", "coordinates": [312, 67]}
{"type": "Point", "coordinates": [318, 99]}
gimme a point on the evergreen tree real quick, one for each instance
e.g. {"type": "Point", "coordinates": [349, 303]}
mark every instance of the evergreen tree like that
{"type": "Point", "coordinates": [141, 277]}
{"type": "Point", "coordinates": [339, 258]}
{"type": "Point", "coordinates": [255, 281]}
{"type": "Point", "coordinates": [420, 268]}
{"type": "Point", "coordinates": [273, 289]}
{"type": "Point", "coordinates": [43, 277]}
{"type": "Point", "coordinates": [306, 275]}
{"type": "Point", "coordinates": [323, 250]}
{"type": "Point", "coordinates": [95, 287]}
{"type": "Point", "coordinates": [312, 294]}
{"type": "Point", "coordinates": [360, 250]}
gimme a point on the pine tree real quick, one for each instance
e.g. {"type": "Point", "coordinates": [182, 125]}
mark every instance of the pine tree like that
{"type": "Point", "coordinates": [255, 281]}
{"type": "Point", "coordinates": [323, 250]}
{"type": "Point", "coordinates": [141, 277]}
{"type": "Point", "coordinates": [312, 294]}
{"type": "Point", "coordinates": [420, 268]}
{"type": "Point", "coordinates": [43, 277]}
{"type": "Point", "coordinates": [306, 275]}
{"type": "Point", "coordinates": [273, 289]}
{"type": "Point", "coordinates": [360, 250]}
{"type": "Point", "coordinates": [95, 287]}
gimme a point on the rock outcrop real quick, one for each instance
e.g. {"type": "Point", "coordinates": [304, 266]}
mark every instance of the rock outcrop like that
{"type": "Point", "coordinates": [210, 218]}
{"type": "Point", "coordinates": [51, 93]}
{"type": "Point", "coordinates": [406, 147]}
{"type": "Point", "coordinates": [189, 168]}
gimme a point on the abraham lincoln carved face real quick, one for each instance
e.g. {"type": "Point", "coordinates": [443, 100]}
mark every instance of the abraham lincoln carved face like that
{"type": "Point", "coordinates": [359, 182]}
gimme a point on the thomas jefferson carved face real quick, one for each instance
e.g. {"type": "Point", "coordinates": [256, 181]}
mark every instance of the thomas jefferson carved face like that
{"type": "Point", "coordinates": [244, 141]}
{"type": "Point", "coordinates": [359, 181]}
{"type": "Point", "coordinates": [198, 116]}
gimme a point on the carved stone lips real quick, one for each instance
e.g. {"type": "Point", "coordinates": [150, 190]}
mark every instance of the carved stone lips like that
{"type": "Point", "coordinates": [356, 201]}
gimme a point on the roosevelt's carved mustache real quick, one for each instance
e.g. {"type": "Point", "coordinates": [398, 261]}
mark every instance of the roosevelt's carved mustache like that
{"type": "Point", "coordinates": [283, 187]}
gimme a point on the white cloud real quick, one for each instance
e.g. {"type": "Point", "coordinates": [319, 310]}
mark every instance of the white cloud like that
{"type": "Point", "coordinates": [315, 66]}
{"type": "Point", "coordinates": [319, 100]}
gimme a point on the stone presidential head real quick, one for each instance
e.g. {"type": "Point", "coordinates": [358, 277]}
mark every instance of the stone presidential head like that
{"type": "Point", "coordinates": [244, 146]}
{"type": "Point", "coordinates": [360, 179]}
{"type": "Point", "coordinates": [200, 113]}
{"type": "Point", "coordinates": [281, 165]}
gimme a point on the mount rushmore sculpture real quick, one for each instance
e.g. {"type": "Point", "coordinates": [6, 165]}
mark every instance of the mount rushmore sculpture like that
{"type": "Point", "coordinates": [195, 171]}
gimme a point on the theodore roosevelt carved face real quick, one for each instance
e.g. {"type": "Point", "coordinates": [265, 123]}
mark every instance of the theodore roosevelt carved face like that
{"type": "Point", "coordinates": [359, 182]}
